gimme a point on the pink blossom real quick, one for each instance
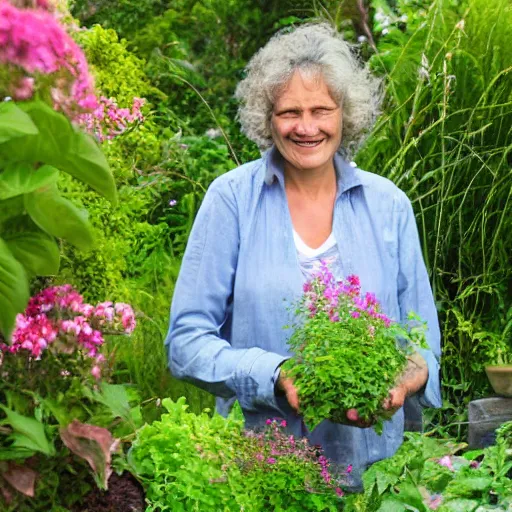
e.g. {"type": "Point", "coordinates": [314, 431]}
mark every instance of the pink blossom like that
{"type": "Point", "coordinates": [446, 462]}
{"type": "Point", "coordinates": [349, 469]}
{"type": "Point", "coordinates": [268, 421]}
{"type": "Point", "coordinates": [271, 460]}
{"type": "Point", "coordinates": [33, 43]}
{"type": "Point", "coordinates": [96, 372]}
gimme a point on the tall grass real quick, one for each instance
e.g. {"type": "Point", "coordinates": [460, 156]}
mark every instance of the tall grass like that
{"type": "Point", "coordinates": [445, 138]}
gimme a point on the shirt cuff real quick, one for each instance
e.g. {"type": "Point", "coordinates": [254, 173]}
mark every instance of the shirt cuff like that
{"type": "Point", "coordinates": [430, 395]}
{"type": "Point", "coordinates": [254, 379]}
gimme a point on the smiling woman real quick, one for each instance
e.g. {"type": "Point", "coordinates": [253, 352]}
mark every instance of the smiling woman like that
{"type": "Point", "coordinates": [266, 228]}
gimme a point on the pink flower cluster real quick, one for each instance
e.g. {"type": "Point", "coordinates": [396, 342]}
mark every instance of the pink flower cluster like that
{"type": "Point", "coordinates": [32, 45]}
{"type": "Point", "coordinates": [107, 120]}
{"type": "Point", "coordinates": [341, 300]}
{"type": "Point", "coordinates": [273, 443]}
{"type": "Point", "coordinates": [59, 320]}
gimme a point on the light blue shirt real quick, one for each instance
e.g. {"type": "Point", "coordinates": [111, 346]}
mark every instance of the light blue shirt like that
{"type": "Point", "coordinates": [240, 273]}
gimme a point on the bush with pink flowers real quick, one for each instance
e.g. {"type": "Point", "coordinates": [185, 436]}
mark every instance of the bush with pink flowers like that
{"type": "Point", "coordinates": [55, 394]}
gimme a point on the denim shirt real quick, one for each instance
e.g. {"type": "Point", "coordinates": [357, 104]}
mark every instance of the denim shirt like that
{"type": "Point", "coordinates": [240, 273]}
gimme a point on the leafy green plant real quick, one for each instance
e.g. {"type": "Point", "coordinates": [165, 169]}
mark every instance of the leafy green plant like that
{"type": "Point", "coordinates": [203, 462]}
{"type": "Point", "coordinates": [425, 474]}
{"type": "Point", "coordinates": [346, 353]}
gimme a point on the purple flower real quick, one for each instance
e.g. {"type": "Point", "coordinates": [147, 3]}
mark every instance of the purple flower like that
{"type": "Point", "coordinates": [173, 202]}
{"type": "Point", "coordinates": [271, 460]}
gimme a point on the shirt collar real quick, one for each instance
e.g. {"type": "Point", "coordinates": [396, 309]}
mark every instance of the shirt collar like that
{"type": "Point", "coordinates": [347, 176]}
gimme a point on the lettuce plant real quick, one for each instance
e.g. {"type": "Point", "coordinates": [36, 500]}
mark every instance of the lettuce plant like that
{"type": "Point", "coordinates": [347, 353]}
{"type": "Point", "coordinates": [199, 462]}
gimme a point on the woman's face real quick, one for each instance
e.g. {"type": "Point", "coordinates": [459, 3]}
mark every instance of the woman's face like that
{"type": "Point", "coordinates": [306, 123]}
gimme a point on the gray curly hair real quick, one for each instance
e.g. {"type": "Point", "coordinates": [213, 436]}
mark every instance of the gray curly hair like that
{"type": "Point", "coordinates": [310, 48]}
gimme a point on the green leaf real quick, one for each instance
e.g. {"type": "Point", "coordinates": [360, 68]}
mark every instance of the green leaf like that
{"type": "Point", "coordinates": [459, 505]}
{"type": "Point", "coordinates": [10, 208]}
{"type": "Point", "coordinates": [14, 290]}
{"type": "Point", "coordinates": [115, 397]}
{"type": "Point", "coordinates": [59, 217]}
{"type": "Point", "coordinates": [48, 144]}
{"type": "Point", "coordinates": [28, 432]}
{"type": "Point", "coordinates": [87, 162]}
{"type": "Point", "coordinates": [14, 122]}
{"type": "Point", "coordinates": [391, 505]}
{"type": "Point", "coordinates": [21, 178]}
{"type": "Point", "coordinates": [36, 251]}
{"type": "Point", "coordinates": [59, 144]}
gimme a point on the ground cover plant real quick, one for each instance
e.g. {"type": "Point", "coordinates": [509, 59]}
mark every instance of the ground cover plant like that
{"type": "Point", "coordinates": [433, 474]}
{"type": "Point", "coordinates": [203, 462]}
{"type": "Point", "coordinates": [345, 351]}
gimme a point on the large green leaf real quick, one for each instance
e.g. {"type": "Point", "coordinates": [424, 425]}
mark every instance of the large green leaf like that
{"type": "Point", "coordinates": [59, 217]}
{"type": "Point", "coordinates": [87, 162]}
{"type": "Point", "coordinates": [21, 178]}
{"type": "Point", "coordinates": [10, 208]}
{"type": "Point", "coordinates": [28, 432]}
{"type": "Point", "coordinates": [14, 122]}
{"type": "Point", "coordinates": [36, 251]}
{"type": "Point", "coordinates": [50, 144]}
{"type": "Point", "coordinates": [59, 144]}
{"type": "Point", "coordinates": [14, 291]}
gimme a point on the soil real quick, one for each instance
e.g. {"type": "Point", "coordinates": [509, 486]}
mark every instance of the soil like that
{"type": "Point", "coordinates": [124, 494]}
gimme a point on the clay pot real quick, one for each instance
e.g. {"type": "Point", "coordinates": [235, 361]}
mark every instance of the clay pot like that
{"type": "Point", "coordinates": [500, 377]}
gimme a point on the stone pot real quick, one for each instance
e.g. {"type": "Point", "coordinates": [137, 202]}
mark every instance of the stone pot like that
{"type": "Point", "coordinates": [500, 377]}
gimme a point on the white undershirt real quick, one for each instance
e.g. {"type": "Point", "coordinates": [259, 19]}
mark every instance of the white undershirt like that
{"type": "Point", "coordinates": [309, 252]}
{"type": "Point", "coordinates": [310, 259]}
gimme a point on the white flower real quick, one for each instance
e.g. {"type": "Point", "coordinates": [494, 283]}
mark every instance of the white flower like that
{"type": "Point", "coordinates": [213, 133]}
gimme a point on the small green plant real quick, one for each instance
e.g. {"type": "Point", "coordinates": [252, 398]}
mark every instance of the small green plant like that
{"type": "Point", "coordinates": [346, 351]}
{"type": "Point", "coordinates": [201, 462]}
{"type": "Point", "coordinates": [426, 474]}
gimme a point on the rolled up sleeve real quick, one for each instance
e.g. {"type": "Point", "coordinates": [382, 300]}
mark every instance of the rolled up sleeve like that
{"type": "Point", "coordinates": [415, 294]}
{"type": "Point", "coordinates": [196, 350]}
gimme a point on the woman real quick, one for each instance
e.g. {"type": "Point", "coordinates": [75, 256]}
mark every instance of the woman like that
{"type": "Point", "coordinates": [263, 228]}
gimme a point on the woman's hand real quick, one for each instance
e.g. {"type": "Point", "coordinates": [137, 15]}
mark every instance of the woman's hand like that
{"type": "Point", "coordinates": [286, 386]}
{"type": "Point", "coordinates": [412, 380]}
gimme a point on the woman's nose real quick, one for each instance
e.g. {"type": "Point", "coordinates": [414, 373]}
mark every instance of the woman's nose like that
{"type": "Point", "coordinates": [306, 126]}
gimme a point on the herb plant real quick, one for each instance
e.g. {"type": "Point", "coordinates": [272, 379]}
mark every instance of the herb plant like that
{"type": "Point", "coordinates": [348, 354]}
{"type": "Point", "coordinates": [194, 462]}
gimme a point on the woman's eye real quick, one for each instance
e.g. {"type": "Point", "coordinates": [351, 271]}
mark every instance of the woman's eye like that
{"type": "Point", "coordinates": [289, 114]}
{"type": "Point", "coordinates": [322, 111]}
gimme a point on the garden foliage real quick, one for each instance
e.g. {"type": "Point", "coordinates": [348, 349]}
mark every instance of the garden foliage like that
{"type": "Point", "coordinates": [427, 474]}
{"type": "Point", "coordinates": [57, 401]}
{"type": "Point", "coordinates": [200, 462]}
{"type": "Point", "coordinates": [346, 353]}
{"type": "Point", "coordinates": [445, 138]}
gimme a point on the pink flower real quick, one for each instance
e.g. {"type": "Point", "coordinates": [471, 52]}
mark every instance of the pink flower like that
{"type": "Point", "coordinates": [446, 462]}
{"type": "Point", "coordinates": [96, 372]}
{"type": "Point", "coordinates": [349, 469]}
{"type": "Point", "coordinates": [339, 492]}
{"type": "Point", "coordinates": [33, 43]}
{"type": "Point", "coordinates": [268, 422]}
{"type": "Point", "coordinates": [283, 423]}
{"type": "Point", "coordinates": [271, 460]}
